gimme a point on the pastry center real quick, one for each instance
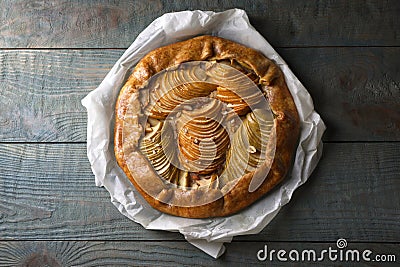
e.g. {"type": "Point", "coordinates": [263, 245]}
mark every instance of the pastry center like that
{"type": "Point", "coordinates": [206, 123]}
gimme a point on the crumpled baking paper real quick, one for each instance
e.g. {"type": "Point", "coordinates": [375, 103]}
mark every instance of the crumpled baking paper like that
{"type": "Point", "coordinates": [206, 234]}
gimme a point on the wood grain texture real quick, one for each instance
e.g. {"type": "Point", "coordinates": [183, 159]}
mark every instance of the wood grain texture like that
{"type": "Point", "coordinates": [133, 253]}
{"type": "Point", "coordinates": [356, 91]}
{"type": "Point", "coordinates": [51, 212]}
{"type": "Point", "coordinates": [40, 92]}
{"type": "Point", "coordinates": [47, 192]}
{"type": "Point", "coordinates": [115, 24]}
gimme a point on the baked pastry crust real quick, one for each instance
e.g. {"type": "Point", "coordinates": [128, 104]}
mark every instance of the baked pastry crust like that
{"type": "Point", "coordinates": [177, 201]}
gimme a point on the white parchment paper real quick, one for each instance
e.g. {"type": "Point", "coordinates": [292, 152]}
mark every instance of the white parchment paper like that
{"type": "Point", "coordinates": [206, 234]}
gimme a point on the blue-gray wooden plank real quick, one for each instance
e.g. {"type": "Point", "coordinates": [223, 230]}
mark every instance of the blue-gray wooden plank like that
{"type": "Point", "coordinates": [356, 91]}
{"type": "Point", "coordinates": [115, 24]}
{"type": "Point", "coordinates": [137, 253]}
{"type": "Point", "coordinates": [47, 191]}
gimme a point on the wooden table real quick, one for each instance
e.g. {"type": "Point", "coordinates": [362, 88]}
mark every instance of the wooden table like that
{"type": "Point", "coordinates": [346, 53]}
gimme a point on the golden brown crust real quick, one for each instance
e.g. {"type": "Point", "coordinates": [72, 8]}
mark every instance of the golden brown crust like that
{"type": "Point", "coordinates": [286, 125]}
